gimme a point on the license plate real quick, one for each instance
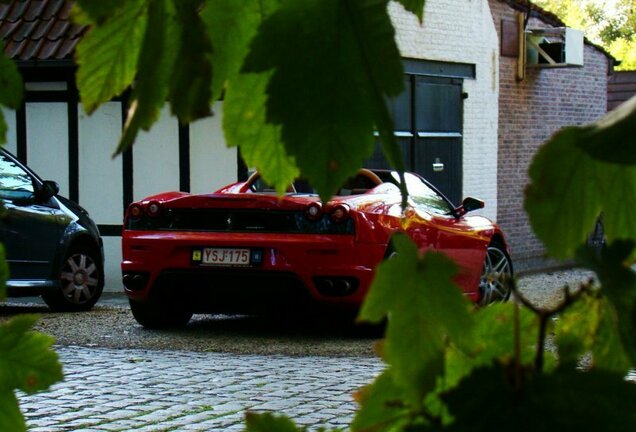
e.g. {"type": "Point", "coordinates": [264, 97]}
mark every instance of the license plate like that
{"type": "Point", "coordinates": [226, 256]}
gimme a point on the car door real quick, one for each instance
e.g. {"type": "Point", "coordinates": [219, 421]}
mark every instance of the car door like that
{"type": "Point", "coordinates": [441, 230]}
{"type": "Point", "coordinates": [30, 227]}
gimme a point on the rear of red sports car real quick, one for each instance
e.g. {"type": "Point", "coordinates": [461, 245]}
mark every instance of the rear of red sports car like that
{"type": "Point", "coordinates": [243, 249]}
{"type": "Point", "coordinates": [243, 252]}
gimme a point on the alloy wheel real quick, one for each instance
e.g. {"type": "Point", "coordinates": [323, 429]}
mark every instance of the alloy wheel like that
{"type": "Point", "coordinates": [494, 282]}
{"type": "Point", "coordinates": [79, 278]}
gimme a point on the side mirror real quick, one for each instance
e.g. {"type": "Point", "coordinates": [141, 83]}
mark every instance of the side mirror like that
{"type": "Point", "coordinates": [49, 189]}
{"type": "Point", "coordinates": [469, 204]}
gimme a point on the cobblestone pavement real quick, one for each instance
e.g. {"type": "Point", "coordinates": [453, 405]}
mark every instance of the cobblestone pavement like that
{"type": "Point", "coordinates": [143, 390]}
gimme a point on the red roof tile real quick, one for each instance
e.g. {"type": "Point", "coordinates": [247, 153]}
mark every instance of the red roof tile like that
{"type": "Point", "coordinates": [38, 29]}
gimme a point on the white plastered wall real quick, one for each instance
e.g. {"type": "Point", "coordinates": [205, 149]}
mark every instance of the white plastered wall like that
{"type": "Point", "coordinates": [101, 180]}
{"type": "Point", "coordinates": [156, 158]}
{"type": "Point", "coordinates": [47, 138]}
{"type": "Point", "coordinates": [462, 31]}
{"type": "Point", "coordinates": [212, 164]}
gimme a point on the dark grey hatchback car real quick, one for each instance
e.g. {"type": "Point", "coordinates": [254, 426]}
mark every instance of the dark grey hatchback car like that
{"type": "Point", "coordinates": [52, 246]}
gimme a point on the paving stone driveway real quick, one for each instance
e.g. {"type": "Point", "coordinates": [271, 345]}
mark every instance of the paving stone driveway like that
{"type": "Point", "coordinates": [120, 390]}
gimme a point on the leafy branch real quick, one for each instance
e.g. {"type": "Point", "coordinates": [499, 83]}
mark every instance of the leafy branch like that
{"type": "Point", "coordinates": [546, 314]}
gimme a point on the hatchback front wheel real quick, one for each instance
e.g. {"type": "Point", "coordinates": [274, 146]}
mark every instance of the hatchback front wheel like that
{"type": "Point", "coordinates": [81, 280]}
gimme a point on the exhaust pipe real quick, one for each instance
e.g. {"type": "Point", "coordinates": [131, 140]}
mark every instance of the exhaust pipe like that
{"type": "Point", "coordinates": [336, 286]}
{"type": "Point", "coordinates": [135, 281]}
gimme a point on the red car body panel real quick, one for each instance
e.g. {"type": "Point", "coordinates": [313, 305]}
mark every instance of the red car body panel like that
{"type": "Point", "coordinates": [375, 216]}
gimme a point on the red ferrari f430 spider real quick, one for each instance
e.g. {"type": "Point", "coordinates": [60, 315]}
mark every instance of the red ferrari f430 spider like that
{"type": "Point", "coordinates": [243, 249]}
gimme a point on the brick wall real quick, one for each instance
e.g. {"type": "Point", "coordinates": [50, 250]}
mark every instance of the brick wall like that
{"type": "Point", "coordinates": [620, 87]}
{"type": "Point", "coordinates": [530, 112]}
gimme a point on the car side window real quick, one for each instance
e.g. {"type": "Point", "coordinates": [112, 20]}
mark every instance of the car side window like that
{"type": "Point", "coordinates": [15, 183]}
{"type": "Point", "coordinates": [424, 198]}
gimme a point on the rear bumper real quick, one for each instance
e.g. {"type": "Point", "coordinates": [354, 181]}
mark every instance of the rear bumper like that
{"type": "Point", "coordinates": [293, 270]}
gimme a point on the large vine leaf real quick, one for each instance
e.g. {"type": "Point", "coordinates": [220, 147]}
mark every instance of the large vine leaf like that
{"type": "Point", "coordinates": [614, 342]}
{"type": "Point", "coordinates": [156, 62]}
{"type": "Point", "coordinates": [568, 191]}
{"type": "Point", "coordinates": [108, 54]}
{"type": "Point", "coordinates": [565, 400]}
{"type": "Point", "coordinates": [328, 87]}
{"type": "Point", "coordinates": [26, 363]}
{"type": "Point", "coordinates": [613, 138]}
{"type": "Point", "coordinates": [244, 124]}
{"type": "Point", "coordinates": [577, 328]}
{"type": "Point", "coordinates": [10, 82]}
{"type": "Point", "coordinates": [10, 416]}
{"type": "Point", "coordinates": [425, 311]}
{"type": "Point", "coordinates": [190, 87]}
{"type": "Point", "coordinates": [232, 26]}
{"type": "Point", "coordinates": [414, 6]}
{"type": "Point", "coordinates": [494, 340]}
{"type": "Point", "coordinates": [10, 89]}
{"type": "Point", "coordinates": [96, 11]}
{"type": "Point", "coordinates": [269, 423]}
{"type": "Point", "coordinates": [381, 405]}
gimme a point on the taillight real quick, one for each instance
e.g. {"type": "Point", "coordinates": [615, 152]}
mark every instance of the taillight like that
{"type": "Point", "coordinates": [135, 211]}
{"type": "Point", "coordinates": [339, 213]}
{"type": "Point", "coordinates": [153, 209]}
{"type": "Point", "coordinates": [313, 211]}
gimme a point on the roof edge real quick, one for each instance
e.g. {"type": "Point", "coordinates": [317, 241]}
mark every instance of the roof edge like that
{"type": "Point", "coordinates": [553, 20]}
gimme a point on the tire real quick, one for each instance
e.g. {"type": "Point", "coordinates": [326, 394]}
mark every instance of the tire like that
{"type": "Point", "coordinates": [494, 283]}
{"type": "Point", "coordinates": [81, 278]}
{"type": "Point", "coordinates": [160, 312]}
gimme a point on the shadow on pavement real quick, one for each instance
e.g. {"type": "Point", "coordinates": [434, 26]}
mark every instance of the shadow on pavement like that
{"type": "Point", "coordinates": [111, 324]}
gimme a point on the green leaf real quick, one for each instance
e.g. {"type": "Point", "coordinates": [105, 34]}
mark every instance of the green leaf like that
{"type": "Point", "coordinates": [96, 11]}
{"type": "Point", "coordinates": [328, 87]}
{"type": "Point", "coordinates": [232, 25]}
{"type": "Point", "coordinates": [414, 6]}
{"type": "Point", "coordinates": [11, 418]}
{"type": "Point", "coordinates": [381, 406]}
{"type": "Point", "coordinates": [615, 345]}
{"type": "Point", "coordinates": [269, 423]}
{"type": "Point", "coordinates": [27, 362]}
{"type": "Point", "coordinates": [10, 84]}
{"type": "Point", "coordinates": [107, 56]}
{"type": "Point", "coordinates": [611, 139]}
{"type": "Point", "coordinates": [156, 62]}
{"type": "Point", "coordinates": [425, 311]}
{"type": "Point", "coordinates": [568, 191]}
{"type": "Point", "coordinates": [562, 401]}
{"type": "Point", "coordinates": [245, 126]}
{"type": "Point", "coordinates": [190, 89]}
{"type": "Point", "coordinates": [494, 341]}
{"type": "Point", "coordinates": [576, 330]}
{"type": "Point", "coordinates": [495, 338]}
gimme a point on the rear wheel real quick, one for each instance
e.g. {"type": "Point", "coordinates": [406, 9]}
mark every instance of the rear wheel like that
{"type": "Point", "coordinates": [81, 280]}
{"type": "Point", "coordinates": [494, 284]}
{"type": "Point", "coordinates": [160, 311]}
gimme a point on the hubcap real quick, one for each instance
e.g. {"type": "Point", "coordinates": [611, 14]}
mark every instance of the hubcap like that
{"type": "Point", "coordinates": [493, 284]}
{"type": "Point", "coordinates": [80, 278]}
